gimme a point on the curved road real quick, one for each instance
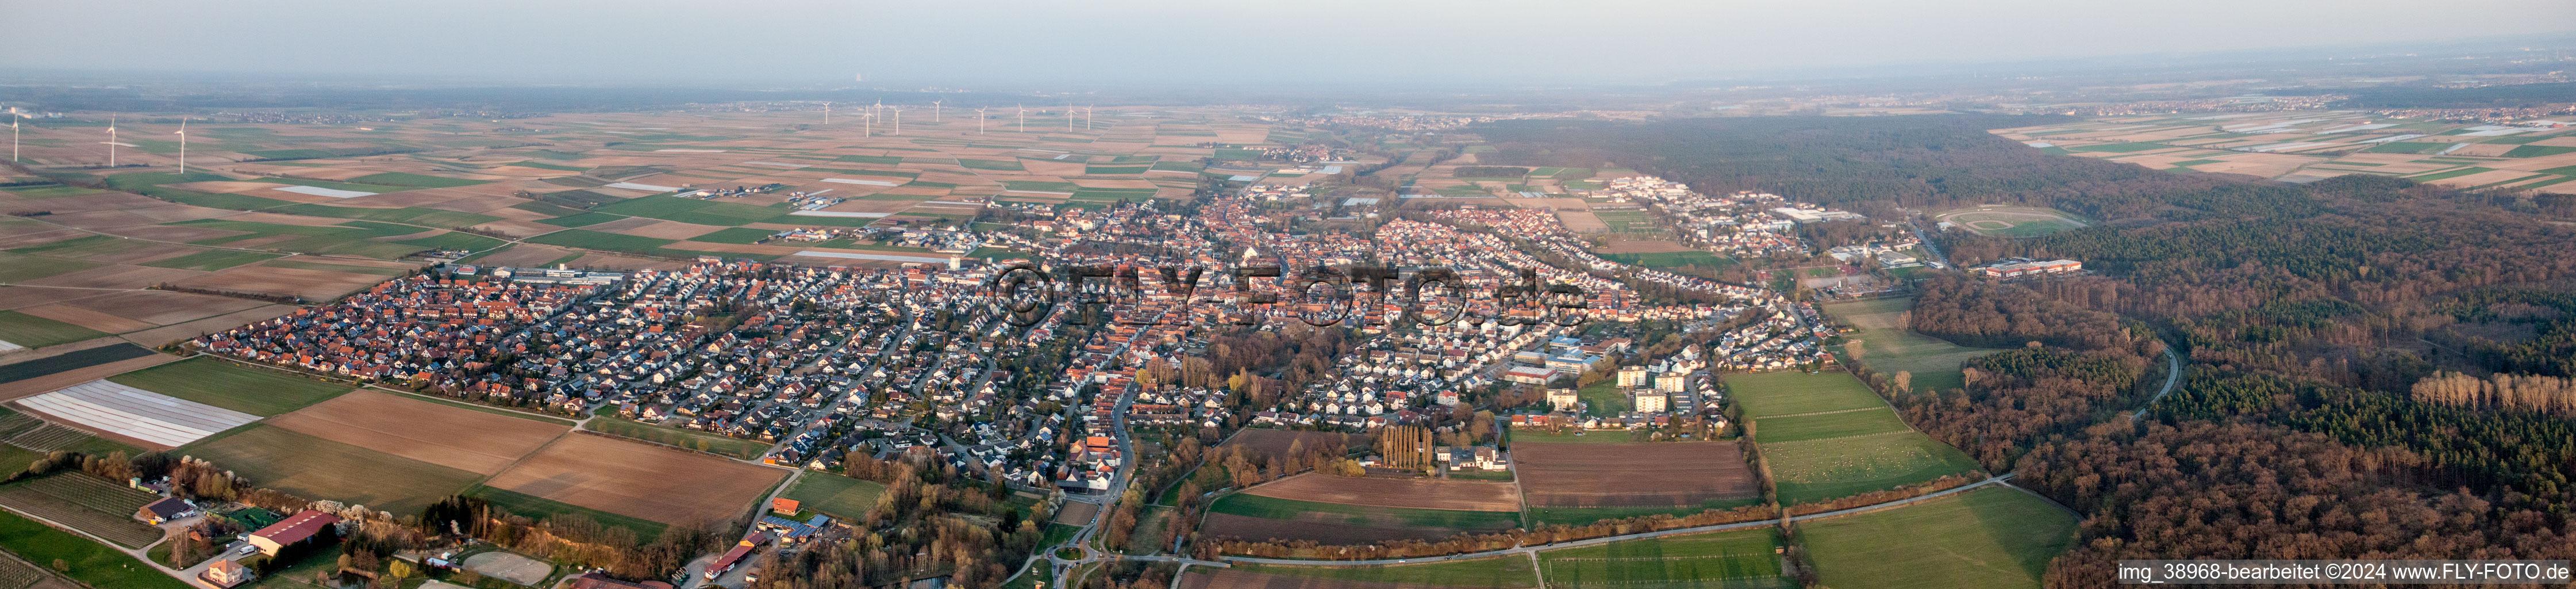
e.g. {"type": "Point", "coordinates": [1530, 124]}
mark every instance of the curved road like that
{"type": "Point", "coordinates": [2173, 375]}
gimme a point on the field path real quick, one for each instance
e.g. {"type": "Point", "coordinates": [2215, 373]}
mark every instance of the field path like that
{"type": "Point", "coordinates": [1536, 548]}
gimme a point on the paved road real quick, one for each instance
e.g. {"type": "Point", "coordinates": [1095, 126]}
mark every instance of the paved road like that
{"type": "Point", "coordinates": [1608, 539]}
{"type": "Point", "coordinates": [2173, 375]}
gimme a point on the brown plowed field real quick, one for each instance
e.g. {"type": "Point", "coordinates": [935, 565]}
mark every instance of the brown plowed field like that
{"type": "Point", "coordinates": [1222, 525]}
{"type": "Point", "coordinates": [1417, 493]}
{"type": "Point", "coordinates": [453, 437]}
{"type": "Point", "coordinates": [1651, 474]}
{"type": "Point", "coordinates": [628, 478]}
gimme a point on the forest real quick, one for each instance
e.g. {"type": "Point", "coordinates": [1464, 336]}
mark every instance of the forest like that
{"type": "Point", "coordinates": [2376, 368]}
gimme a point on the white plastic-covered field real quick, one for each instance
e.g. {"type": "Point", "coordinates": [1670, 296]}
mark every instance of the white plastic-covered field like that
{"type": "Point", "coordinates": [320, 191]}
{"type": "Point", "coordinates": [136, 413]}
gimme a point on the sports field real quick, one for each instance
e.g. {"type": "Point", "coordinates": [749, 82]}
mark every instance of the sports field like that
{"type": "Point", "coordinates": [1790, 392]}
{"type": "Point", "coordinates": [840, 496]}
{"type": "Point", "coordinates": [1888, 346]}
{"type": "Point", "coordinates": [222, 384]}
{"type": "Point", "coordinates": [2012, 221]}
{"type": "Point", "coordinates": [1735, 559]}
{"type": "Point", "coordinates": [1820, 470]}
{"type": "Point", "coordinates": [308, 466]}
{"type": "Point", "coordinates": [1998, 537]}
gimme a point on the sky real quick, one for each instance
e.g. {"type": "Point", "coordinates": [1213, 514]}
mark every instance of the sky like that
{"type": "Point", "coordinates": [965, 42]}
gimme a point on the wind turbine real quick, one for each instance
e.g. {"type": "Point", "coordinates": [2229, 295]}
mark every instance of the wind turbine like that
{"type": "Point", "coordinates": [1086, 117]}
{"type": "Point", "coordinates": [111, 140]}
{"type": "Point", "coordinates": [183, 146]}
{"type": "Point", "coordinates": [898, 119]}
{"type": "Point", "coordinates": [1068, 118]}
{"type": "Point", "coordinates": [934, 110]}
{"type": "Point", "coordinates": [870, 129]}
{"type": "Point", "coordinates": [827, 113]}
{"type": "Point", "coordinates": [13, 132]}
{"type": "Point", "coordinates": [979, 120]}
{"type": "Point", "coordinates": [874, 110]}
{"type": "Point", "coordinates": [1024, 120]}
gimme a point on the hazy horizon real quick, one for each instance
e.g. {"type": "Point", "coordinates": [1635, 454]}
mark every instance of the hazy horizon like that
{"type": "Point", "coordinates": [1134, 41]}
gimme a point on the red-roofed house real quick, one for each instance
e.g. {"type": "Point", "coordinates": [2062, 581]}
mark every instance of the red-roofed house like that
{"type": "Point", "coordinates": [290, 531]}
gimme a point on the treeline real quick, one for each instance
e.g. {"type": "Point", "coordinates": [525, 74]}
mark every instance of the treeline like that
{"type": "Point", "coordinates": [2199, 490]}
{"type": "Point", "coordinates": [1865, 164]}
{"type": "Point", "coordinates": [2527, 392]}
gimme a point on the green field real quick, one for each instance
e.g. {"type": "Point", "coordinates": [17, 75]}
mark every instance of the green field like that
{"type": "Point", "coordinates": [2013, 222]}
{"type": "Point", "coordinates": [582, 219]}
{"type": "Point", "coordinates": [690, 210]}
{"type": "Point", "coordinates": [86, 503]}
{"type": "Point", "coordinates": [2449, 174]}
{"type": "Point", "coordinates": [1774, 430]}
{"type": "Point", "coordinates": [94, 245]}
{"type": "Point", "coordinates": [547, 166]}
{"type": "Point", "coordinates": [1992, 537]}
{"type": "Point", "coordinates": [211, 260]}
{"type": "Point", "coordinates": [694, 440]}
{"type": "Point", "coordinates": [995, 165]}
{"type": "Point", "coordinates": [37, 332]}
{"type": "Point", "coordinates": [1040, 186]}
{"type": "Point", "coordinates": [1245, 504]}
{"type": "Point", "coordinates": [326, 267]}
{"type": "Point", "coordinates": [540, 508]}
{"type": "Point", "coordinates": [1888, 346]}
{"type": "Point", "coordinates": [1820, 470]}
{"type": "Point", "coordinates": [842, 497]}
{"type": "Point", "coordinates": [308, 466]}
{"type": "Point", "coordinates": [1603, 398]}
{"type": "Point", "coordinates": [1789, 392]}
{"type": "Point", "coordinates": [2538, 150]}
{"type": "Point", "coordinates": [1502, 572]}
{"type": "Point", "coordinates": [1670, 259]}
{"type": "Point", "coordinates": [46, 192]}
{"type": "Point", "coordinates": [735, 235]}
{"type": "Point", "coordinates": [215, 382]}
{"type": "Point", "coordinates": [16, 267]}
{"type": "Point", "coordinates": [423, 181]}
{"type": "Point", "coordinates": [1742, 558]}
{"type": "Point", "coordinates": [619, 242]}
{"type": "Point", "coordinates": [352, 238]}
{"type": "Point", "coordinates": [91, 562]}
{"type": "Point", "coordinates": [455, 240]}
{"type": "Point", "coordinates": [1629, 221]}
{"type": "Point", "coordinates": [1097, 170]}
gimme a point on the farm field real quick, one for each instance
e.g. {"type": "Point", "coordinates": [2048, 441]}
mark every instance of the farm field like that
{"type": "Point", "coordinates": [86, 503]}
{"type": "Point", "coordinates": [309, 466]}
{"type": "Point", "coordinates": [628, 478]}
{"type": "Point", "coordinates": [1789, 392]}
{"type": "Point", "coordinates": [2309, 145]}
{"type": "Point", "coordinates": [1990, 537]}
{"type": "Point", "coordinates": [1819, 426]}
{"type": "Point", "coordinates": [447, 436]}
{"type": "Point", "coordinates": [1819, 470]}
{"type": "Point", "coordinates": [90, 562]}
{"type": "Point", "coordinates": [841, 496]}
{"type": "Point", "coordinates": [1656, 474]}
{"type": "Point", "coordinates": [694, 440]}
{"type": "Point", "coordinates": [1889, 346]}
{"type": "Point", "coordinates": [1254, 517]}
{"type": "Point", "coordinates": [1502, 573]}
{"type": "Point", "coordinates": [1734, 559]}
{"type": "Point", "coordinates": [539, 508]}
{"type": "Point", "coordinates": [1414, 493]}
{"type": "Point", "coordinates": [29, 331]}
{"type": "Point", "coordinates": [223, 384]}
